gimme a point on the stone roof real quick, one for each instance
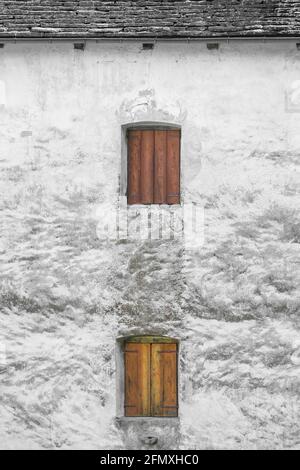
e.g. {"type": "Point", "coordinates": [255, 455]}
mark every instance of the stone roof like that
{"type": "Point", "coordinates": [151, 18]}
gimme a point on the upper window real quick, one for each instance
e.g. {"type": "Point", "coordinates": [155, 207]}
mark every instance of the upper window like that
{"type": "Point", "coordinates": [153, 166]}
{"type": "Point", "coordinates": [151, 378]}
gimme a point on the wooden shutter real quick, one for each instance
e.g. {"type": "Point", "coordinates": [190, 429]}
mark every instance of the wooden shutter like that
{"type": "Point", "coordinates": [147, 167]}
{"type": "Point", "coordinates": [134, 157]}
{"type": "Point", "coordinates": [154, 167]}
{"type": "Point", "coordinates": [164, 380]}
{"type": "Point", "coordinates": [160, 168]}
{"type": "Point", "coordinates": [137, 379]}
{"type": "Point", "coordinates": [173, 167]}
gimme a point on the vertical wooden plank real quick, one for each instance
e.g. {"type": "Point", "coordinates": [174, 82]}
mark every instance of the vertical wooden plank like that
{"type": "Point", "coordinates": [147, 166]}
{"type": "Point", "coordinates": [134, 166]}
{"type": "Point", "coordinates": [160, 167]}
{"type": "Point", "coordinates": [173, 167]}
{"type": "Point", "coordinates": [164, 380]}
{"type": "Point", "coordinates": [137, 379]}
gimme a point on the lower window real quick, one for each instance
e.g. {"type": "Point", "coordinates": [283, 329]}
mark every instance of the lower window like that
{"type": "Point", "coordinates": [151, 378]}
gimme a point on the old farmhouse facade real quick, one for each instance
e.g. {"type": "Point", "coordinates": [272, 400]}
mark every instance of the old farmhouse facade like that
{"type": "Point", "coordinates": [149, 165]}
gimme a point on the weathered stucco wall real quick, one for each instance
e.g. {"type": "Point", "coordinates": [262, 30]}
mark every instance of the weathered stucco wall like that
{"type": "Point", "coordinates": [66, 295]}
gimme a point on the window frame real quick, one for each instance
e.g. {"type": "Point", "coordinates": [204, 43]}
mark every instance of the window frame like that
{"type": "Point", "coordinates": [123, 180]}
{"type": "Point", "coordinates": [120, 370]}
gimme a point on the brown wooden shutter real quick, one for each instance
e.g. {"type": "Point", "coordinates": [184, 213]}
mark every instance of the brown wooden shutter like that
{"type": "Point", "coordinates": [164, 380]}
{"type": "Point", "coordinates": [160, 168]}
{"type": "Point", "coordinates": [134, 156]}
{"type": "Point", "coordinates": [147, 167]}
{"type": "Point", "coordinates": [153, 166]}
{"type": "Point", "coordinates": [137, 379]}
{"type": "Point", "coordinates": [173, 167]}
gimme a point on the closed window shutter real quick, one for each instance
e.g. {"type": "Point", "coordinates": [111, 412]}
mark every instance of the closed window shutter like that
{"type": "Point", "coordinates": [173, 167]}
{"type": "Point", "coordinates": [164, 380]}
{"type": "Point", "coordinates": [160, 168]}
{"type": "Point", "coordinates": [154, 167]}
{"type": "Point", "coordinates": [134, 163]}
{"type": "Point", "coordinates": [147, 167]}
{"type": "Point", "coordinates": [137, 379]}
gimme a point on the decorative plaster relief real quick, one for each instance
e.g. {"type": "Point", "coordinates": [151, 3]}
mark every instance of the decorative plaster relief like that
{"type": "Point", "coordinates": [147, 107]}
